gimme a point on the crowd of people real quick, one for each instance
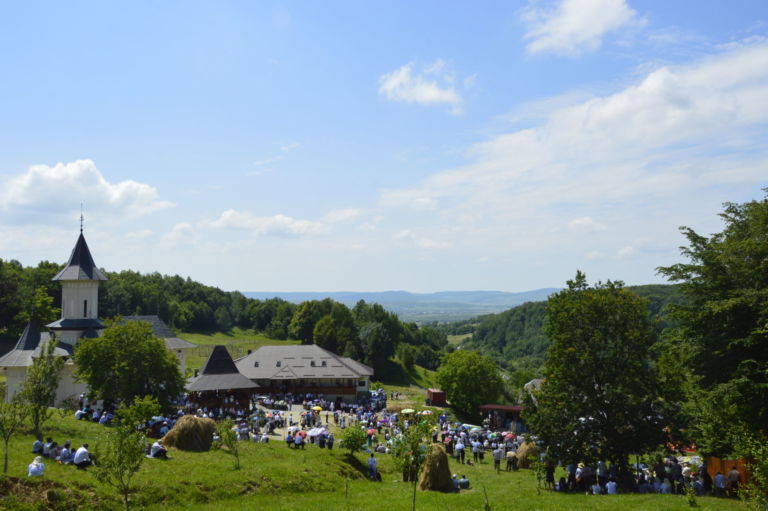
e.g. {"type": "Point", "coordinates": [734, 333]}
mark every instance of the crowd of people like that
{"type": "Point", "coordinates": [467, 444]}
{"type": "Point", "coordinates": [62, 454]}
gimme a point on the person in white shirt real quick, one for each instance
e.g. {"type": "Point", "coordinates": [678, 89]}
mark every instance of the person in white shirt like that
{"type": "Point", "coordinates": [36, 468]}
{"type": "Point", "coordinates": [372, 463]}
{"type": "Point", "coordinates": [82, 458]}
{"type": "Point", "coordinates": [612, 487]}
{"type": "Point", "coordinates": [158, 451]}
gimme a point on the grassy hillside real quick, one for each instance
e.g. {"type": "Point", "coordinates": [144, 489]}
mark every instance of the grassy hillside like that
{"type": "Point", "coordinates": [274, 477]}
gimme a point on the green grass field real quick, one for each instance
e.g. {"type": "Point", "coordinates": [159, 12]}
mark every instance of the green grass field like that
{"type": "Point", "coordinates": [274, 477]}
{"type": "Point", "coordinates": [238, 341]}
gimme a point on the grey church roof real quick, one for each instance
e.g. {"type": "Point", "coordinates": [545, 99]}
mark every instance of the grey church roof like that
{"type": "Point", "coordinates": [80, 265]}
{"type": "Point", "coordinates": [28, 347]}
{"type": "Point", "coordinates": [299, 362]}
{"type": "Point", "coordinates": [161, 330]}
{"type": "Point", "coordinates": [220, 373]}
{"type": "Point", "coordinates": [76, 324]}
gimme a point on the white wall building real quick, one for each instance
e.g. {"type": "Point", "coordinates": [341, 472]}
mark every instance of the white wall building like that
{"type": "Point", "coordinates": [80, 280]}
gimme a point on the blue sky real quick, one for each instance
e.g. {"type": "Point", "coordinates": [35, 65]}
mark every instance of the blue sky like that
{"type": "Point", "coordinates": [322, 146]}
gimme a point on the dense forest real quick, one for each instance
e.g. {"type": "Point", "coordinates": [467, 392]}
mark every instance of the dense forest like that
{"type": "Point", "coordinates": [365, 332]}
{"type": "Point", "coordinates": [516, 340]}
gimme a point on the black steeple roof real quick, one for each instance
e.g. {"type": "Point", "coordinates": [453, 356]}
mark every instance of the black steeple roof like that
{"type": "Point", "coordinates": [219, 362]}
{"type": "Point", "coordinates": [80, 265]}
{"type": "Point", "coordinates": [219, 373]}
{"type": "Point", "coordinates": [30, 337]}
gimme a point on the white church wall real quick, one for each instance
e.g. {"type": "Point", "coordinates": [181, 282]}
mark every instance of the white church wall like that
{"type": "Point", "coordinates": [80, 299]}
{"type": "Point", "coordinates": [68, 387]}
{"type": "Point", "coordinates": [14, 379]}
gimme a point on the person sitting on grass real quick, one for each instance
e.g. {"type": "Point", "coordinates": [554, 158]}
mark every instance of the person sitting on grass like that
{"type": "Point", "coordinates": [158, 450]}
{"type": "Point", "coordinates": [37, 445]}
{"type": "Point", "coordinates": [65, 456]}
{"type": "Point", "coordinates": [49, 443]}
{"type": "Point", "coordinates": [596, 488]}
{"type": "Point", "coordinates": [611, 487]}
{"type": "Point", "coordinates": [82, 458]}
{"type": "Point", "coordinates": [455, 482]}
{"type": "Point", "coordinates": [464, 483]}
{"type": "Point", "coordinates": [36, 468]}
{"type": "Point", "coordinates": [561, 486]}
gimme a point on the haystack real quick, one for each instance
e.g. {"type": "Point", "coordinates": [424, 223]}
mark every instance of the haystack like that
{"type": "Point", "coordinates": [524, 451]}
{"type": "Point", "coordinates": [191, 434]}
{"type": "Point", "coordinates": [436, 475]}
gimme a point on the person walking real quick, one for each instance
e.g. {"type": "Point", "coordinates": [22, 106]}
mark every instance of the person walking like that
{"type": "Point", "coordinates": [372, 465]}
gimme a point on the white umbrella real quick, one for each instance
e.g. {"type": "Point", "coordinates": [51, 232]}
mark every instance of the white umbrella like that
{"type": "Point", "coordinates": [293, 429]}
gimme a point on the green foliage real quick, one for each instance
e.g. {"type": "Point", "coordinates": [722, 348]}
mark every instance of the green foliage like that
{"type": "Point", "coordinates": [353, 439]}
{"type": "Point", "coordinates": [598, 397]}
{"type": "Point", "coordinates": [409, 450]}
{"type": "Point", "coordinates": [40, 308]}
{"type": "Point", "coordinates": [721, 339]}
{"type": "Point", "coordinates": [228, 436]}
{"type": "Point", "coordinates": [128, 362]}
{"type": "Point", "coordinates": [516, 338]}
{"type": "Point", "coordinates": [12, 418]}
{"type": "Point", "coordinates": [23, 295]}
{"type": "Point", "coordinates": [469, 380]}
{"type": "Point", "coordinates": [41, 383]}
{"type": "Point", "coordinates": [755, 447]}
{"type": "Point", "coordinates": [138, 412]}
{"type": "Point", "coordinates": [119, 454]}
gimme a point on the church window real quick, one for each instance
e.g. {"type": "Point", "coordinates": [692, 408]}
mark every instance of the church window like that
{"type": "Point", "coordinates": [85, 308]}
{"type": "Point", "coordinates": [277, 363]}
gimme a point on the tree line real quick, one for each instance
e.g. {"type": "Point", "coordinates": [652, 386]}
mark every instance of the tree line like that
{"type": "Point", "coordinates": [366, 332]}
{"type": "Point", "coordinates": [619, 380]}
{"type": "Point", "coordinates": [517, 340]}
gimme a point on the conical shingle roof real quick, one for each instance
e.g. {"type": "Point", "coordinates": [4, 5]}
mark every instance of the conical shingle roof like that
{"type": "Point", "coordinates": [80, 265]}
{"type": "Point", "coordinates": [220, 373]}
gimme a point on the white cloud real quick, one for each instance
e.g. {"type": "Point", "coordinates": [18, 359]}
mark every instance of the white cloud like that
{"type": "Point", "coordinates": [182, 234]}
{"type": "Point", "coordinates": [646, 156]}
{"type": "Point", "coordinates": [341, 215]}
{"type": "Point", "coordinates": [410, 237]}
{"type": "Point", "coordinates": [585, 224]}
{"type": "Point", "coordinates": [627, 252]}
{"type": "Point", "coordinates": [61, 188]}
{"type": "Point", "coordinates": [276, 225]}
{"type": "Point", "coordinates": [574, 26]}
{"type": "Point", "coordinates": [433, 86]}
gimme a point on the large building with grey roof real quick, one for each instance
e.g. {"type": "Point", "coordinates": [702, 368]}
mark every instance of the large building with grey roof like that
{"type": "Point", "coordinates": [303, 369]}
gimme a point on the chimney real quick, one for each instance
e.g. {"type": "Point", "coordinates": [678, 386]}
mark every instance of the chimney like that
{"type": "Point", "coordinates": [249, 351]}
{"type": "Point", "coordinates": [197, 371]}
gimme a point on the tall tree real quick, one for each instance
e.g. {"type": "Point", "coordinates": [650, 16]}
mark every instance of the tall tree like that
{"type": "Point", "coordinates": [598, 397]}
{"type": "Point", "coordinates": [128, 361]}
{"type": "Point", "coordinates": [721, 339]}
{"type": "Point", "coordinates": [41, 383]}
{"type": "Point", "coordinates": [469, 380]}
{"type": "Point", "coordinates": [12, 418]}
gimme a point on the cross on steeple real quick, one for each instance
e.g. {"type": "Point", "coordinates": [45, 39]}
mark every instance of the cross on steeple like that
{"type": "Point", "coordinates": [81, 218]}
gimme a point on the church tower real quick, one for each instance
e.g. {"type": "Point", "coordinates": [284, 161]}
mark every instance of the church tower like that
{"type": "Point", "coordinates": [79, 296]}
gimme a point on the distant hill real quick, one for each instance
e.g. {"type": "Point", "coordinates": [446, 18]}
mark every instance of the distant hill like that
{"type": "Point", "coordinates": [515, 338]}
{"type": "Point", "coordinates": [442, 306]}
